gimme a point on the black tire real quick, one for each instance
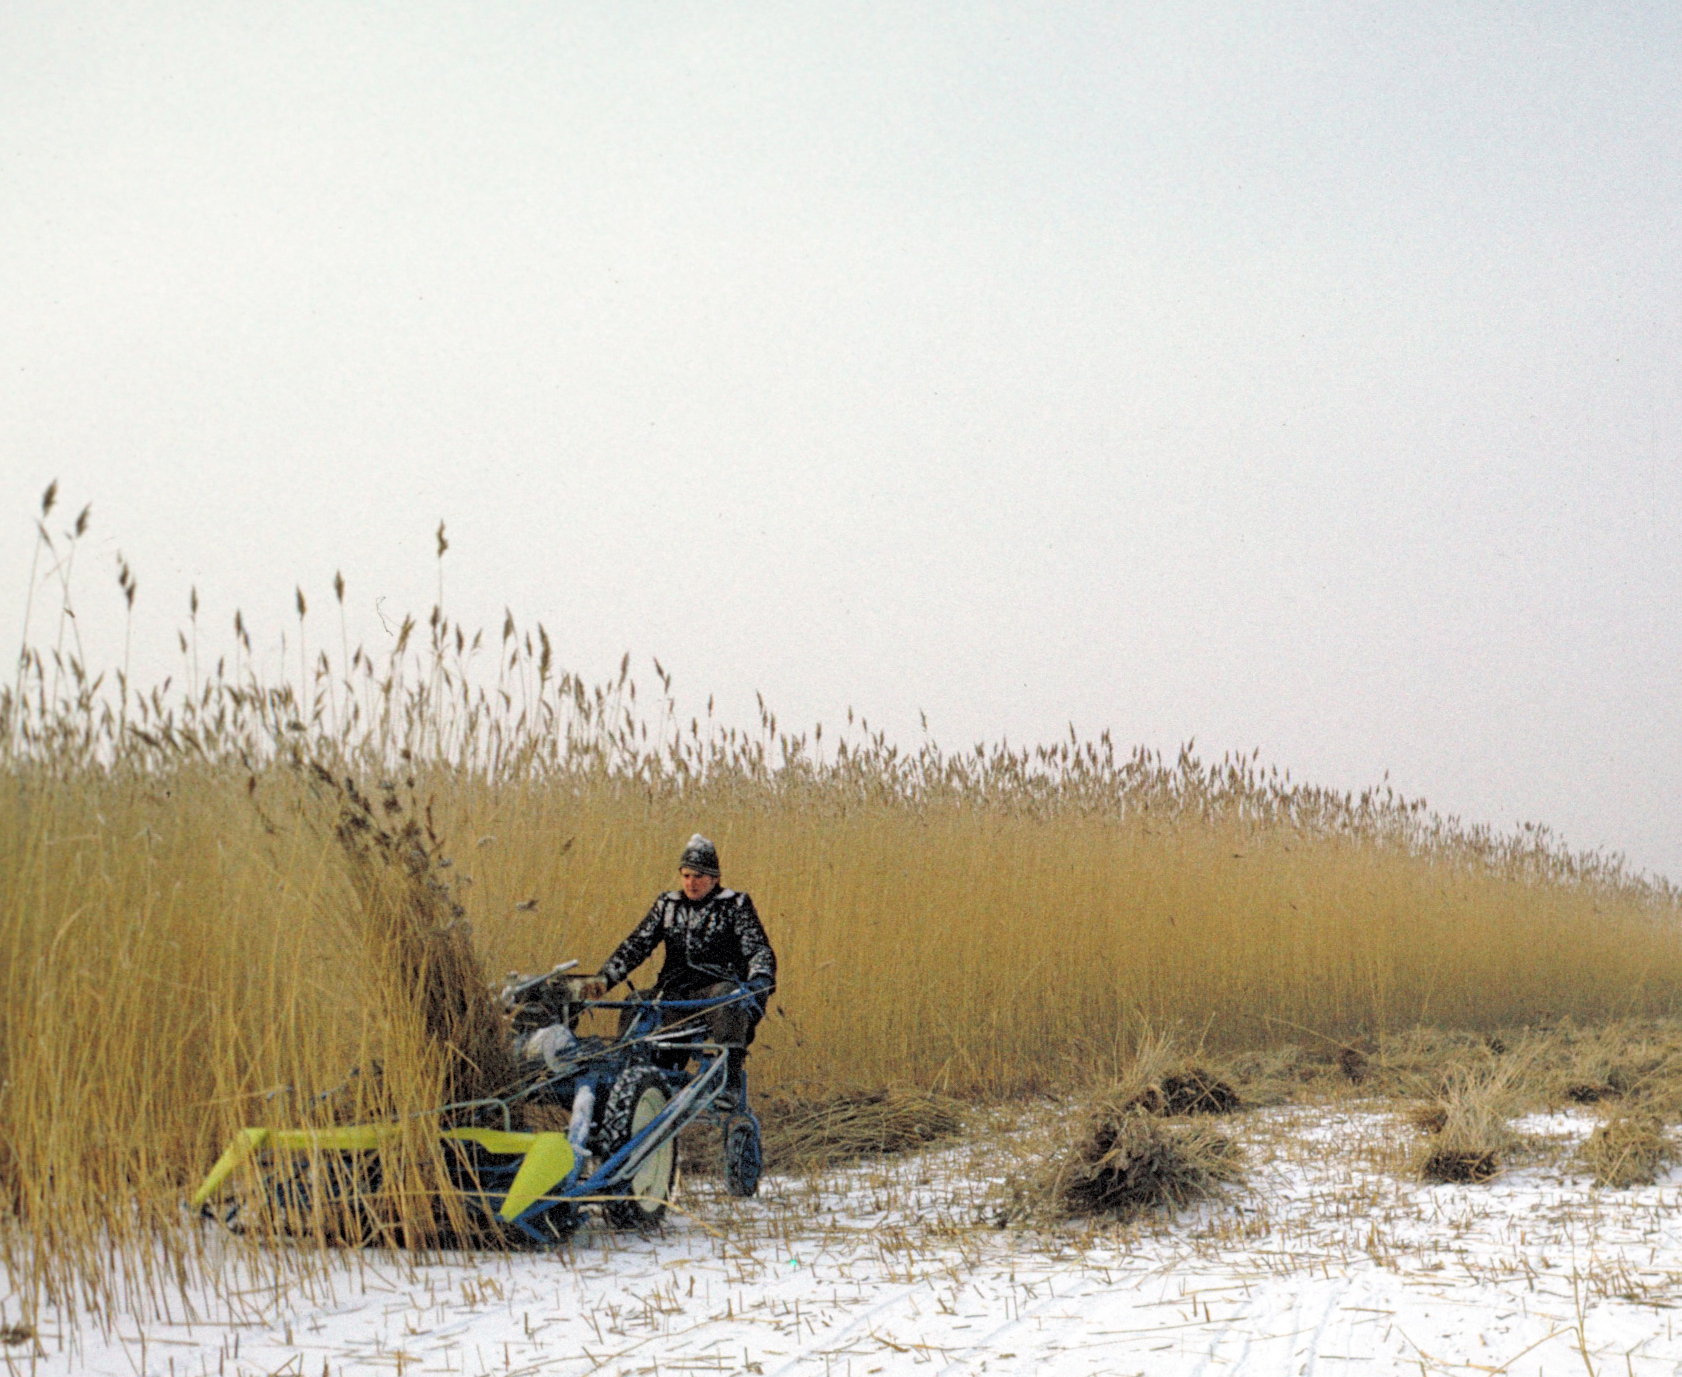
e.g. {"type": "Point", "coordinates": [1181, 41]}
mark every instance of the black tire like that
{"type": "Point", "coordinates": [637, 1097]}
{"type": "Point", "coordinates": [743, 1156]}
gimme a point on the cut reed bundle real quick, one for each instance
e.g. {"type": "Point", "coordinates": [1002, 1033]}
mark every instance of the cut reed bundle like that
{"type": "Point", "coordinates": [1627, 1150]}
{"type": "Point", "coordinates": [1466, 1121]}
{"type": "Point", "coordinates": [803, 1131]}
{"type": "Point", "coordinates": [1121, 1161]}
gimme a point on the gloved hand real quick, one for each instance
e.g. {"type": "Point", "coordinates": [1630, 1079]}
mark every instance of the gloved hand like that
{"type": "Point", "coordinates": [592, 987]}
{"type": "Point", "coordinates": [759, 988]}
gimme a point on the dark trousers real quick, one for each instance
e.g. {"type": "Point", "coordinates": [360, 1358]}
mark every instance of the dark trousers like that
{"type": "Point", "coordinates": [729, 1025]}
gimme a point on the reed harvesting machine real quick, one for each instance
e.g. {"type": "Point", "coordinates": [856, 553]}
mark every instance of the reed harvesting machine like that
{"type": "Point", "coordinates": [625, 1098]}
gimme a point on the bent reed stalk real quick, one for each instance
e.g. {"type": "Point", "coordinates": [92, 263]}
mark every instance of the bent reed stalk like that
{"type": "Point", "coordinates": [182, 936]}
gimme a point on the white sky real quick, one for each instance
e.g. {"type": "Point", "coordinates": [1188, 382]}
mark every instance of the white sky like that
{"type": "Point", "coordinates": [1302, 377]}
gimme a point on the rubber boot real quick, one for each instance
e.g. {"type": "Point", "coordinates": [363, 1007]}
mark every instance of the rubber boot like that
{"type": "Point", "coordinates": [735, 1093]}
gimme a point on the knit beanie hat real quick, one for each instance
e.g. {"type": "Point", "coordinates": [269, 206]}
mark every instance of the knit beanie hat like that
{"type": "Point", "coordinates": [701, 855]}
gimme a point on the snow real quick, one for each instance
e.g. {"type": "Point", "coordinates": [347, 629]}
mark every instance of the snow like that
{"type": "Point", "coordinates": [1330, 1260]}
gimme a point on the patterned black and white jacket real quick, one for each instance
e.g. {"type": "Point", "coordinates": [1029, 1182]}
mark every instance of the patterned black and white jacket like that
{"type": "Point", "coordinates": [716, 938]}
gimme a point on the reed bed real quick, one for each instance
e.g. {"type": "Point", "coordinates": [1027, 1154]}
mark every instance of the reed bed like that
{"type": "Point", "coordinates": [185, 932]}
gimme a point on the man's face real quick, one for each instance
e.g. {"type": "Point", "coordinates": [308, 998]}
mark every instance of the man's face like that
{"type": "Point", "coordinates": [695, 884]}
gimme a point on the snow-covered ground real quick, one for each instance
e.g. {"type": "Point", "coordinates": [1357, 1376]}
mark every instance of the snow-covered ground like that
{"type": "Point", "coordinates": [1330, 1260]}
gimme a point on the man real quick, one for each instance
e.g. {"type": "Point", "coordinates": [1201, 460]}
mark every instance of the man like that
{"type": "Point", "coordinates": [713, 940]}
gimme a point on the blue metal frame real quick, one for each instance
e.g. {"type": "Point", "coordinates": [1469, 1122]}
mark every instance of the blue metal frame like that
{"type": "Point", "coordinates": [599, 1064]}
{"type": "Point", "coordinates": [485, 1166]}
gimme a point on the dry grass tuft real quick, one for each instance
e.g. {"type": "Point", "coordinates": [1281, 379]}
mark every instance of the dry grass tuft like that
{"type": "Point", "coordinates": [1635, 1061]}
{"type": "Point", "coordinates": [1190, 1091]}
{"type": "Point", "coordinates": [1423, 1061]}
{"type": "Point", "coordinates": [1128, 1156]}
{"type": "Point", "coordinates": [807, 1130]}
{"type": "Point", "coordinates": [1598, 1065]}
{"type": "Point", "coordinates": [803, 1131]}
{"type": "Point", "coordinates": [1428, 1116]}
{"type": "Point", "coordinates": [1638, 1062]}
{"type": "Point", "coordinates": [1628, 1150]}
{"type": "Point", "coordinates": [1459, 1165]}
{"type": "Point", "coordinates": [1467, 1122]}
{"type": "Point", "coordinates": [1125, 1162]}
{"type": "Point", "coordinates": [1128, 1164]}
{"type": "Point", "coordinates": [1273, 1075]}
{"type": "Point", "coordinates": [1155, 1076]}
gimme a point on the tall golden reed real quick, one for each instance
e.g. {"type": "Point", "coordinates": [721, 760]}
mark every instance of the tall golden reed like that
{"type": "Point", "coordinates": [184, 934]}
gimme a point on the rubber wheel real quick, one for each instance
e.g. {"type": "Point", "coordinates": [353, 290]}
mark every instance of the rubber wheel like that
{"type": "Point", "coordinates": [743, 1156]}
{"type": "Point", "coordinates": [635, 1101]}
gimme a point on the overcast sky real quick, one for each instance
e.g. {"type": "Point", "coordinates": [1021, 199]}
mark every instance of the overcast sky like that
{"type": "Point", "coordinates": [1296, 377]}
